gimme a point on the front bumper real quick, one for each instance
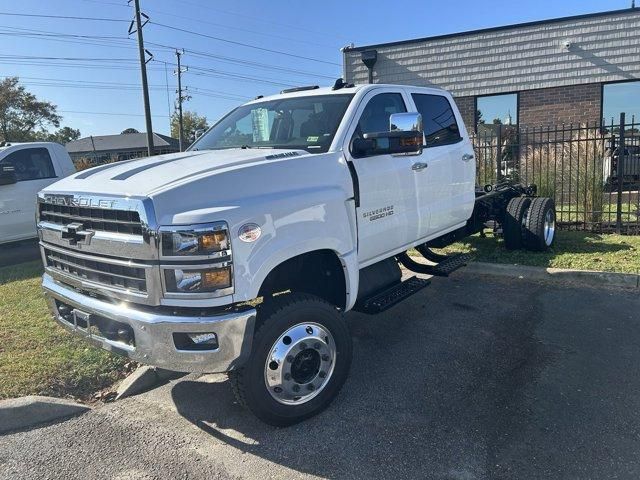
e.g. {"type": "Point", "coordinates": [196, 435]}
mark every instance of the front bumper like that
{"type": "Point", "coordinates": [151, 330]}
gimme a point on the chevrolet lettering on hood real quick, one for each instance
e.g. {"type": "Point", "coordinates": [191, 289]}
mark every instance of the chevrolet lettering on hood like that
{"type": "Point", "coordinates": [74, 201]}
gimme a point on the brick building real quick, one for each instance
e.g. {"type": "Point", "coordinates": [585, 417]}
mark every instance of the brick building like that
{"type": "Point", "coordinates": [567, 70]}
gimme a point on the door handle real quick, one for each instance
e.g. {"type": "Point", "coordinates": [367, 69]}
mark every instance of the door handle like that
{"type": "Point", "coordinates": [416, 167]}
{"type": "Point", "coordinates": [467, 156]}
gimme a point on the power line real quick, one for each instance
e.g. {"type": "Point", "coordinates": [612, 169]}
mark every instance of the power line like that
{"type": "Point", "coordinates": [246, 30]}
{"type": "Point", "coordinates": [242, 44]}
{"type": "Point", "coordinates": [248, 63]}
{"type": "Point", "coordinates": [81, 39]}
{"type": "Point", "coordinates": [262, 20]}
{"type": "Point", "coordinates": [97, 19]}
{"type": "Point", "coordinates": [111, 113]}
{"type": "Point", "coordinates": [69, 59]}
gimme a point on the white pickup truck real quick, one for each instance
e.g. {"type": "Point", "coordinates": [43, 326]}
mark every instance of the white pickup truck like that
{"type": "Point", "coordinates": [25, 169]}
{"type": "Point", "coordinates": [242, 254]}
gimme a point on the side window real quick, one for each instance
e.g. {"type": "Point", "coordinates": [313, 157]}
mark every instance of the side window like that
{"type": "Point", "coordinates": [375, 116]}
{"type": "Point", "coordinates": [30, 164]}
{"type": "Point", "coordinates": [440, 127]}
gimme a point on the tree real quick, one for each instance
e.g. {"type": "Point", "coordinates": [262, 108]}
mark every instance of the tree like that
{"type": "Point", "coordinates": [192, 122]}
{"type": "Point", "coordinates": [22, 116]}
{"type": "Point", "coordinates": [63, 135]}
{"type": "Point", "coordinates": [129, 130]}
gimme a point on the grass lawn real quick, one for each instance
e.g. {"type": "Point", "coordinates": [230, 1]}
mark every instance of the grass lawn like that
{"type": "Point", "coordinates": [572, 249]}
{"type": "Point", "coordinates": [37, 356]}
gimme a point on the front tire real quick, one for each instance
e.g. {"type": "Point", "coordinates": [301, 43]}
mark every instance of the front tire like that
{"type": "Point", "coordinates": [299, 361]}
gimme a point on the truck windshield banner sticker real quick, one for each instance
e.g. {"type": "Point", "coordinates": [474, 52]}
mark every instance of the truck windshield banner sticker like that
{"type": "Point", "coordinates": [378, 213]}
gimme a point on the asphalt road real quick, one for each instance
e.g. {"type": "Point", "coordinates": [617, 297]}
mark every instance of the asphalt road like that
{"type": "Point", "coordinates": [473, 378]}
{"type": "Point", "coordinates": [19, 252]}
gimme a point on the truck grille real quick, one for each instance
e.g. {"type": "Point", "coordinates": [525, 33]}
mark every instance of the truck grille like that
{"type": "Point", "coordinates": [112, 275]}
{"type": "Point", "coordinates": [97, 219]}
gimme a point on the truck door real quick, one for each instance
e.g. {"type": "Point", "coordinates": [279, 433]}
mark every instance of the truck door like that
{"type": "Point", "coordinates": [387, 211]}
{"type": "Point", "coordinates": [34, 170]}
{"type": "Point", "coordinates": [445, 184]}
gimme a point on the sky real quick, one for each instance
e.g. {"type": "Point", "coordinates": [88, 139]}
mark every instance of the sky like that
{"type": "Point", "coordinates": [234, 51]}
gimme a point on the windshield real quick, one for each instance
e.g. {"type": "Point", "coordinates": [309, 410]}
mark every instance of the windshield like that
{"type": "Point", "coordinates": [307, 123]}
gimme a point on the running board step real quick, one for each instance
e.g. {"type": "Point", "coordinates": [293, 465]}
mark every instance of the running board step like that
{"type": "Point", "coordinates": [442, 269]}
{"type": "Point", "coordinates": [451, 264]}
{"type": "Point", "coordinates": [388, 298]}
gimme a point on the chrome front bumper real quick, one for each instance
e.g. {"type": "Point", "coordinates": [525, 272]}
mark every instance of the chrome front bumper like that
{"type": "Point", "coordinates": [153, 329]}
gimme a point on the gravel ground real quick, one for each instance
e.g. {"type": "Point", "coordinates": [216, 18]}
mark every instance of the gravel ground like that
{"type": "Point", "coordinates": [472, 378]}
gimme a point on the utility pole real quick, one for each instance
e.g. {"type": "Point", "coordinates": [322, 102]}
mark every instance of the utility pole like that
{"type": "Point", "coordinates": [179, 71]}
{"type": "Point", "coordinates": [143, 71]}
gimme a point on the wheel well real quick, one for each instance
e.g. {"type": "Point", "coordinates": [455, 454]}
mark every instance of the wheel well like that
{"type": "Point", "coordinates": [319, 273]}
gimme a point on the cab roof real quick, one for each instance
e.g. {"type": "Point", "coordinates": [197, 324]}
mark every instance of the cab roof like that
{"type": "Point", "coordinates": [342, 91]}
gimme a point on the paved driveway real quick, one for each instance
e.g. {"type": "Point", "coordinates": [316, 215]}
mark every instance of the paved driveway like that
{"type": "Point", "coordinates": [473, 378]}
{"type": "Point", "coordinates": [19, 252]}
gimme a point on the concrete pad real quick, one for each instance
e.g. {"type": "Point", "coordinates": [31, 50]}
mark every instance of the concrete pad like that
{"type": "Point", "coordinates": [145, 378]}
{"type": "Point", "coordinates": [26, 412]}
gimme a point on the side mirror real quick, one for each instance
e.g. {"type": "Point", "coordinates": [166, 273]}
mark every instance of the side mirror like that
{"type": "Point", "coordinates": [405, 137]}
{"type": "Point", "coordinates": [198, 133]}
{"type": "Point", "coordinates": [8, 175]}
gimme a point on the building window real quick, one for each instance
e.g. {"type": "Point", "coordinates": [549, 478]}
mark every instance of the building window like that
{"type": "Point", "coordinates": [618, 98]}
{"type": "Point", "coordinates": [496, 110]}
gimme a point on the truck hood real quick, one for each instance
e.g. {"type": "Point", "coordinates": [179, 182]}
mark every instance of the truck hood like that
{"type": "Point", "coordinates": [151, 176]}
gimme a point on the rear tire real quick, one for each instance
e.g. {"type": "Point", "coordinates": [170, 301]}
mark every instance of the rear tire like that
{"type": "Point", "coordinates": [299, 361]}
{"type": "Point", "coordinates": [513, 222]}
{"type": "Point", "coordinates": [540, 225]}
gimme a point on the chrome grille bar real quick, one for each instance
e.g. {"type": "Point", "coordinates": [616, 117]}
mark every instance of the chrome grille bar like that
{"type": "Point", "coordinates": [114, 274]}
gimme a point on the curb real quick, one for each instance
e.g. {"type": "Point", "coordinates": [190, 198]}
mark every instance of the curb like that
{"type": "Point", "coordinates": [143, 379]}
{"type": "Point", "coordinates": [559, 275]}
{"type": "Point", "coordinates": [30, 411]}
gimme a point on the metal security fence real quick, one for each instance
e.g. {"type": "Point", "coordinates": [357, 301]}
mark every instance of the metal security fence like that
{"type": "Point", "coordinates": [591, 171]}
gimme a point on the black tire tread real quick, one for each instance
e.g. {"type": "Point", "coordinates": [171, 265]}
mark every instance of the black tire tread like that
{"type": "Point", "coordinates": [268, 309]}
{"type": "Point", "coordinates": [512, 228]}
{"type": "Point", "coordinates": [534, 229]}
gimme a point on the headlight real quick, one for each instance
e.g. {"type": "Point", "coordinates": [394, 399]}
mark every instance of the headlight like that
{"type": "Point", "coordinates": [197, 281]}
{"type": "Point", "coordinates": [197, 240]}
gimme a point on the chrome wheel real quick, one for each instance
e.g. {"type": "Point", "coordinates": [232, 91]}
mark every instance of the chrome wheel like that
{"type": "Point", "coordinates": [549, 227]}
{"type": "Point", "coordinates": [300, 363]}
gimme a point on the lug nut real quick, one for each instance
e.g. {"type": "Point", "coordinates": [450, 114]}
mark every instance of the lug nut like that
{"type": "Point", "coordinates": [289, 358]}
{"type": "Point", "coordinates": [316, 346]}
{"type": "Point", "coordinates": [287, 376]}
{"type": "Point", "coordinates": [310, 387]}
{"type": "Point", "coordinates": [322, 374]}
{"type": "Point", "coordinates": [325, 358]}
{"type": "Point", "coordinates": [277, 390]}
{"type": "Point", "coordinates": [303, 346]}
{"type": "Point", "coordinates": [296, 388]}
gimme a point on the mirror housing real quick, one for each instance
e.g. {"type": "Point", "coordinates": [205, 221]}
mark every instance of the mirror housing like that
{"type": "Point", "coordinates": [8, 175]}
{"type": "Point", "coordinates": [405, 137]}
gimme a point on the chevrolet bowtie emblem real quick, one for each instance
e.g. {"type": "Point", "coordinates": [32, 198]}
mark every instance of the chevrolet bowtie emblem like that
{"type": "Point", "coordinates": [74, 233]}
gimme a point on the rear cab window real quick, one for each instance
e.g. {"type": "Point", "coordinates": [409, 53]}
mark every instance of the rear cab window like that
{"type": "Point", "coordinates": [438, 118]}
